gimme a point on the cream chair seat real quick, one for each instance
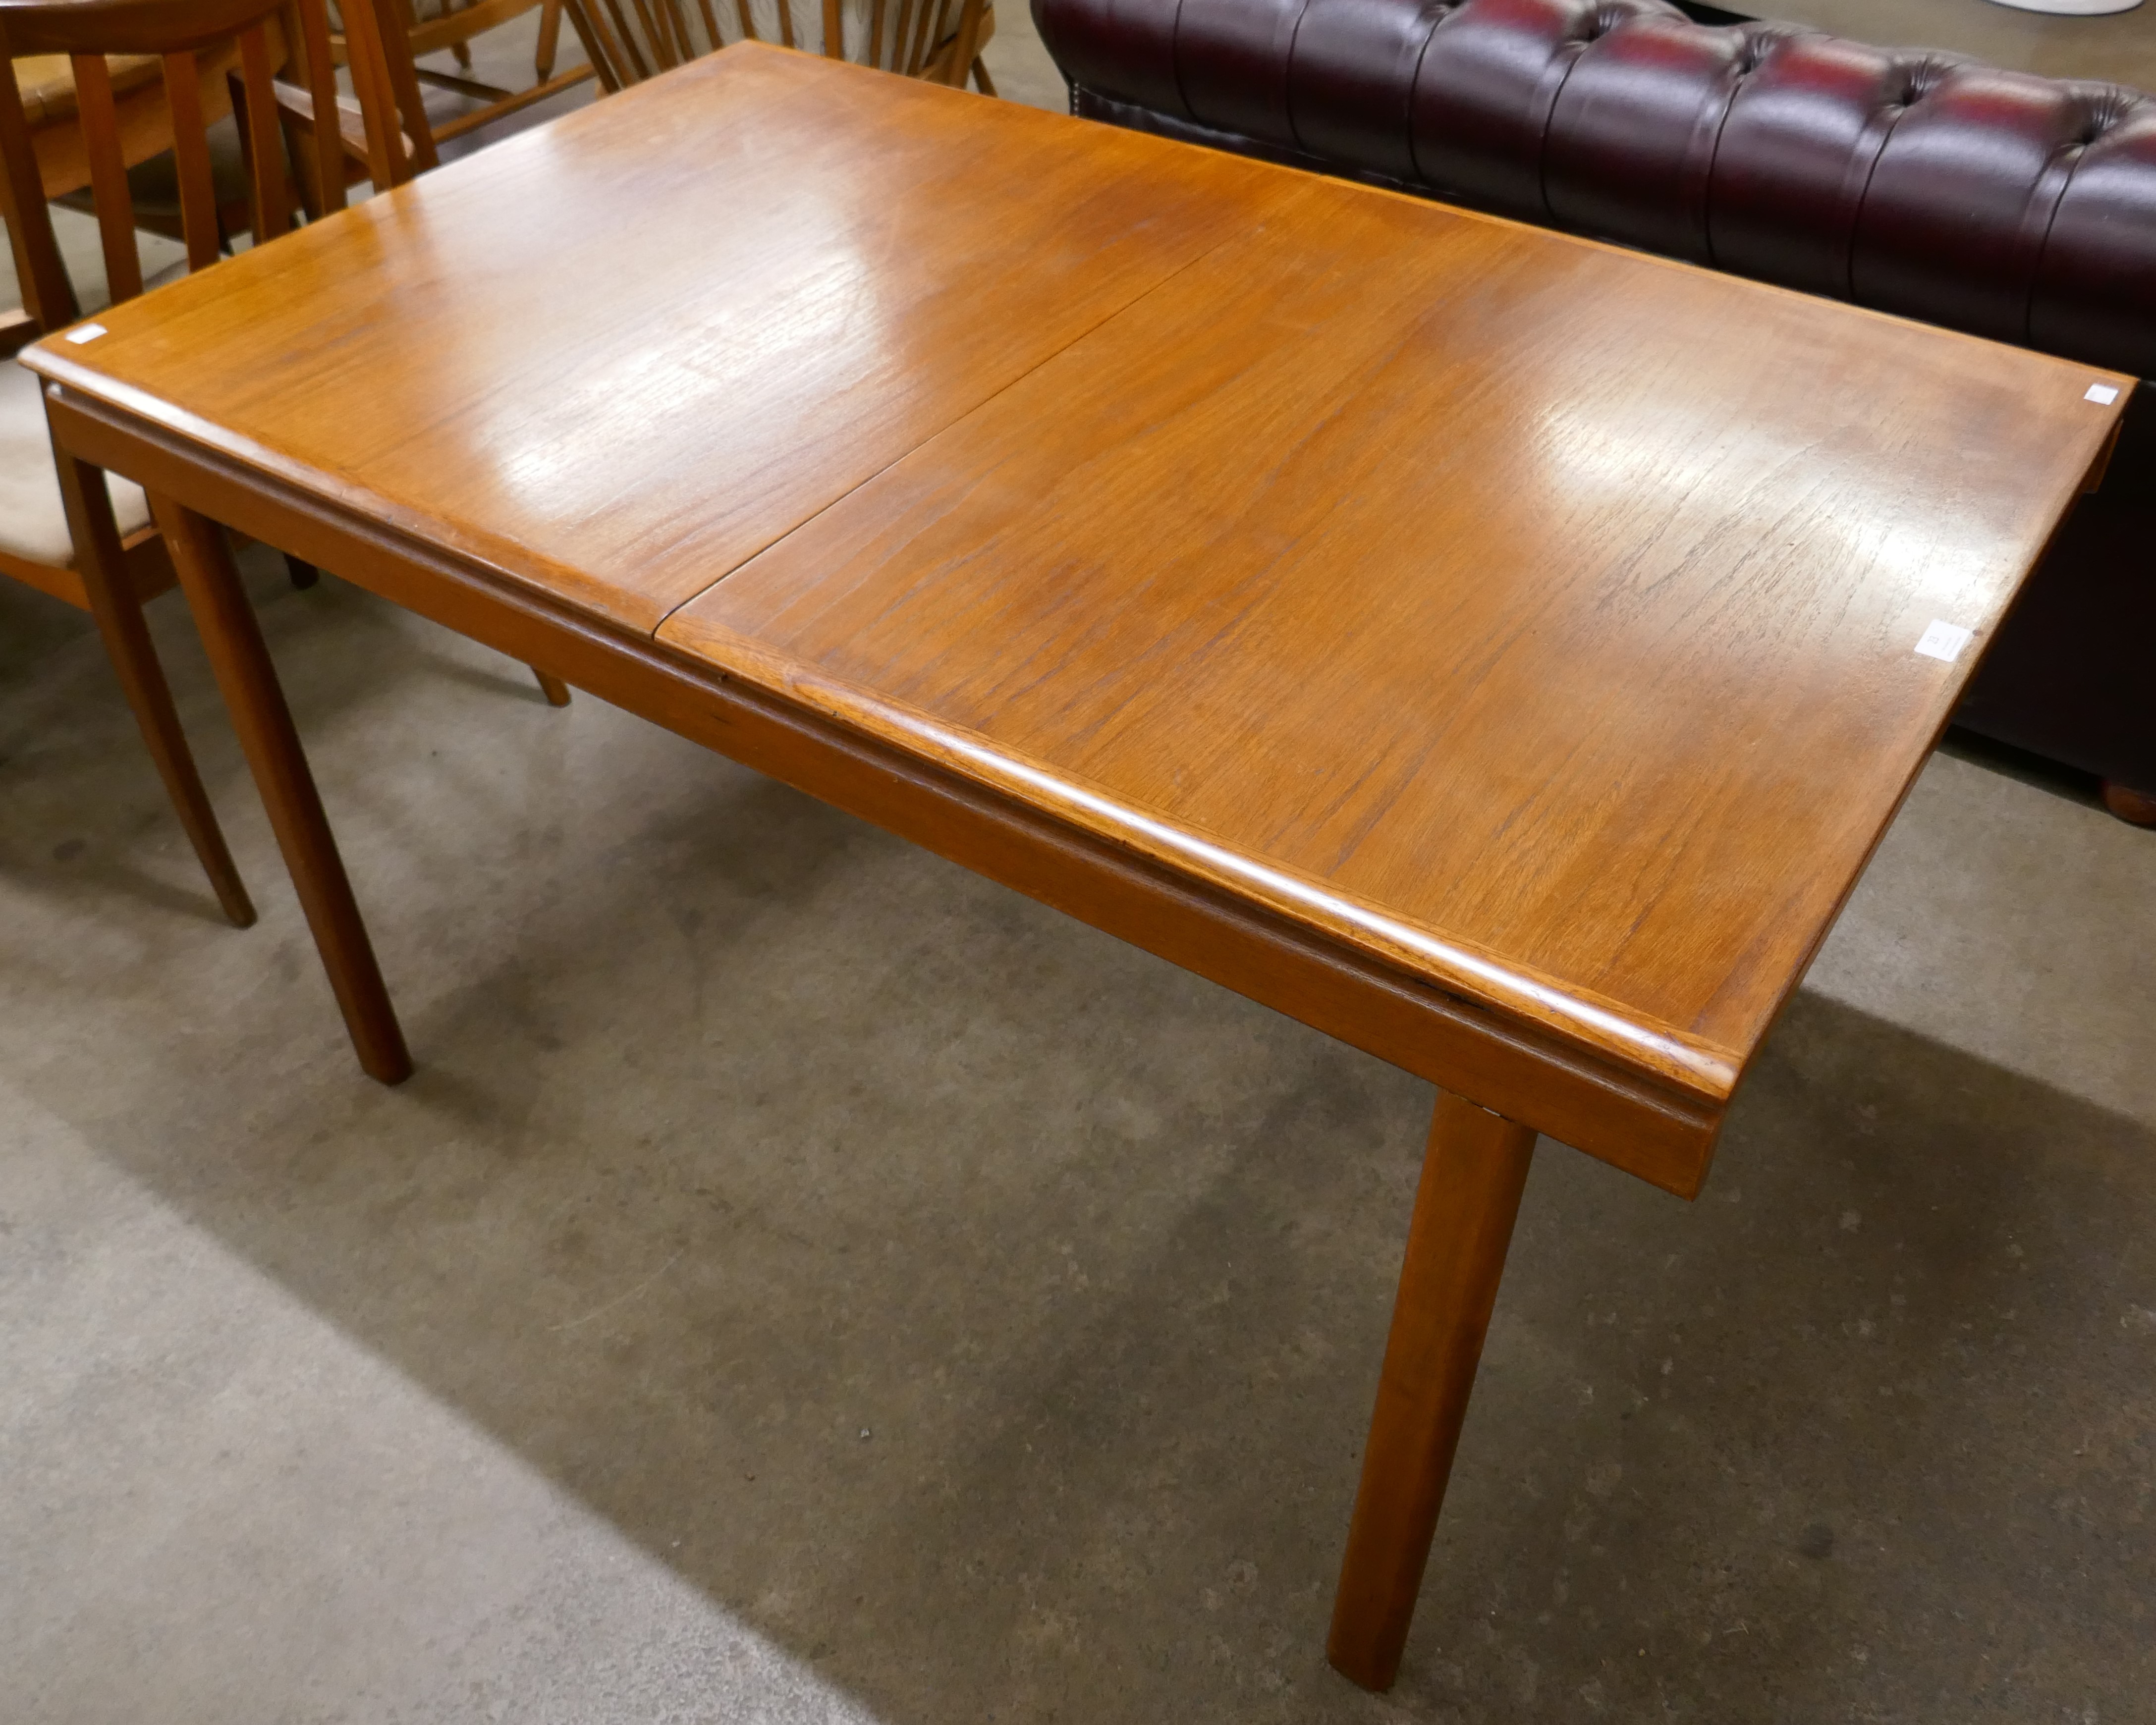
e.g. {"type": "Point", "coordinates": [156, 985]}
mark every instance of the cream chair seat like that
{"type": "Point", "coordinates": [34, 524]}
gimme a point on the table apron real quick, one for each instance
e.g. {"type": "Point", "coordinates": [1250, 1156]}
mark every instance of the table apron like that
{"type": "Point", "coordinates": [1663, 1136]}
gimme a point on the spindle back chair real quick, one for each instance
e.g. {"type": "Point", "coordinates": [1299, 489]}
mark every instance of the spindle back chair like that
{"type": "Point", "coordinates": [429, 27]}
{"type": "Point", "coordinates": [939, 40]}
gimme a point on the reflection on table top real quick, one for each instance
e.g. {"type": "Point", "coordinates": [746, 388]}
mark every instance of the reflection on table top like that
{"type": "Point", "coordinates": [619, 354]}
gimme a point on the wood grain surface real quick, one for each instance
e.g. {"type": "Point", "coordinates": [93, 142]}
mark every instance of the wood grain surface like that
{"type": "Point", "coordinates": [1538, 616]}
{"type": "Point", "coordinates": [1533, 621]}
{"type": "Point", "coordinates": [1602, 1106]}
{"type": "Point", "coordinates": [617, 354]}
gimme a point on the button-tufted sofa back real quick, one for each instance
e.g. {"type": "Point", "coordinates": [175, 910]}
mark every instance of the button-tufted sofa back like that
{"type": "Point", "coordinates": [1999, 202]}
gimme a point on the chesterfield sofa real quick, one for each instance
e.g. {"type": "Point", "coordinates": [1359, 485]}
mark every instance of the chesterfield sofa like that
{"type": "Point", "coordinates": [1998, 202]}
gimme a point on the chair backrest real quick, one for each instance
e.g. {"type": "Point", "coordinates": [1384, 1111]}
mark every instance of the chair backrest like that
{"type": "Point", "coordinates": [198, 43]}
{"type": "Point", "coordinates": [634, 39]}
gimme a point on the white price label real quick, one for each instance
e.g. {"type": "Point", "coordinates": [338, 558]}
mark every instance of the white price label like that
{"type": "Point", "coordinates": [1942, 641]}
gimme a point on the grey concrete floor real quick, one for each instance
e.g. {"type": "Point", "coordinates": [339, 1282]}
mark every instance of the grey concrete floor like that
{"type": "Point", "coordinates": [805, 1283]}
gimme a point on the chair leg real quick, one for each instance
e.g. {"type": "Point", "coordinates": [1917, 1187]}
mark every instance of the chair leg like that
{"type": "Point", "coordinates": [303, 575]}
{"type": "Point", "coordinates": [556, 691]}
{"type": "Point", "coordinates": [550, 39]}
{"type": "Point", "coordinates": [980, 80]}
{"type": "Point", "coordinates": [234, 640]}
{"type": "Point", "coordinates": [117, 608]}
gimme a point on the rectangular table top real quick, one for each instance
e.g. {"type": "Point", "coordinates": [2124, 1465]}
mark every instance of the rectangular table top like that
{"type": "Point", "coordinates": [1541, 621]}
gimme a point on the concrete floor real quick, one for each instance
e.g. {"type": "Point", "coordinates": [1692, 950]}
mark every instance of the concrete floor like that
{"type": "Point", "coordinates": [804, 1282]}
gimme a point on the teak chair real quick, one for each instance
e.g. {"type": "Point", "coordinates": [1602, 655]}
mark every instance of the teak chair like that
{"type": "Point", "coordinates": [430, 26]}
{"type": "Point", "coordinates": [63, 527]}
{"type": "Point", "coordinates": [939, 40]}
{"type": "Point", "coordinates": [142, 118]}
{"type": "Point", "coordinates": [46, 83]}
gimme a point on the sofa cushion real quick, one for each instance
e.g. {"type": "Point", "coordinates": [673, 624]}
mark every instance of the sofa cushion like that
{"type": "Point", "coordinates": [2095, 293]}
{"type": "Point", "coordinates": [1795, 156]}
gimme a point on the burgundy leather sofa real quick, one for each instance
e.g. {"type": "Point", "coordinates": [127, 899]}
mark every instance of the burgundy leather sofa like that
{"type": "Point", "coordinates": [2011, 206]}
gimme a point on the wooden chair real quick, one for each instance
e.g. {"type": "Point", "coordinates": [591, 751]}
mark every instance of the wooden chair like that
{"type": "Point", "coordinates": [940, 40]}
{"type": "Point", "coordinates": [143, 122]}
{"type": "Point", "coordinates": [63, 527]}
{"type": "Point", "coordinates": [46, 85]}
{"type": "Point", "coordinates": [431, 26]}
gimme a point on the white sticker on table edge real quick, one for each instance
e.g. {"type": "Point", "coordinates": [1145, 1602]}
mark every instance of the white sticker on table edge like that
{"type": "Point", "coordinates": [1944, 641]}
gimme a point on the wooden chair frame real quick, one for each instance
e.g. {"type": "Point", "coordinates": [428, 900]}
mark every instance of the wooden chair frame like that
{"type": "Point", "coordinates": [937, 40]}
{"type": "Point", "coordinates": [453, 30]}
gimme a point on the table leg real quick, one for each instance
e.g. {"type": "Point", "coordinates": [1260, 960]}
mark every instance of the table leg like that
{"type": "Point", "coordinates": [233, 639]}
{"type": "Point", "coordinates": [1472, 1176]}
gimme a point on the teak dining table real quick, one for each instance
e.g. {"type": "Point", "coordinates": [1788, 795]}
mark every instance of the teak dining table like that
{"type": "Point", "coordinates": [1498, 651]}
